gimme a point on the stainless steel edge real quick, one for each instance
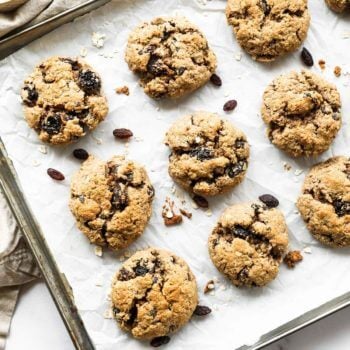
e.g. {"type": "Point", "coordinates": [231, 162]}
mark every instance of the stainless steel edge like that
{"type": "Point", "coordinates": [59, 288]}
{"type": "Point", "coordinates": [13, 42]}
{"type": "Point", "coordinates": [301, 322]}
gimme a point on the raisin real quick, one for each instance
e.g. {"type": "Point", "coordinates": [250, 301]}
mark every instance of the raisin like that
{"type": "Point", "coordinates": [235, 169]}
{"type": "Point", "coordinates": [32, 95]}
{"type": "Point", "coordinates": [200, 201]}
{"type": "Point", "coordinates": [140, 270]}
{"type": "Point", "coordinates": [55, 174]}
{"type": "Point", "coordinates": [124, 275]}
{"type": "Point", "coordinates": [277, 252]}
{"type": "Point", "coordinates": [201, 310]}
{"type": "Point", "coordinates": [307, 57]}
{"type": "Point", "coordinates": [269, 200]}
{"type": "Point", "coordinates": [159, 341]}
{"type": "Point", "coordinates": [155, 66]}
{"type": "Point", "coordinates": [241, 232]}
{"type": "Point", "coordinates": [89, 82]}
{"type": "Point", "coordinates": [119, 198]}
{"type": "Point", "coordinates": [75, 65]}
{"type": "Point", "coordinates": [132, 315]}
{"type": "Point", "coordinates": [52, 124]}
{"type": "Point", "coordinates": [122, 133]}
{"type": "Point", "coordinates": [150, 191]}
{"type": "Point", "coordinates": [239, 143]}
{"type": "Point", "coordinates": [216, 80]}
{"type": "Point", "coordinates": [341, 208]}
{"type": "Point", "coordinates": [230, 105]}
{"type": "Point", "coordinates": [202, 153]}
{"type": "Point", "coordinates": [80, 153]}
{"type": "Point", "coordinates": [265, 7]}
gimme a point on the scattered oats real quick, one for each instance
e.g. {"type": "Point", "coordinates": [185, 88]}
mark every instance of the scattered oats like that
{"type": "Point", "coordinates": [127, 254]}
{"type": "Point", "coordinates": [296, 179]}
{"type": "Point", "coordinates": [307, 250]}
{"type": "Point", "coordinates": [42, 149]}
{"type": "Point", "coordinates": [296, 211]}
{"type": "Point", "coordinates": [227, 94]}
{"type": "Point", "coordinates": [99, 282]}
{"type": "Point", "coordinates": [96, 139]}
{"type": "Point", "coordinates": [238, 56]}
{"type": "Point", "coordinates": [126, 145]}
{"type": "Point", "coordinates": [346, 35]}
{"type": "Point", "coordinates": [138, 139]}
{"type": "Point", "coordinates": [337, 71]}
{"type": "Point", "coordinates": [100, 53]}
{"type": "Point", "coordinates": [122, 90]}
{"type": "Point", "coordinates": [108, 314]}
{"type": "Point", "coordinates": [270, 163]}
{"type": "Point", "coordinates": [185, 213]}
{"type": "Point", "coordinates": [216, 307]}
{"type": "Point", "coordinates": [35, 162]}
{"type": "Point", "coordinates": [173, 189]}
{"type": "Point", "coordinates": [212, 292]}
{"type": "Point", "coordinates": [169, 214]}
{"type": "Point", "coordinates": [122, 258]}
{"type": "Point", "coordinates": [208, 212]}
{"type": "Point", "coordinates": [158, 109]}
{"type": "Point", "coordinates": [223, 287]}
{"type": "Point", "coordinates": [98, 251]}
{"type": "Point", "coordinates": [98, 39]}
{"type": "Point", "coordinates": [83, 52]}
{"type": "Point", "coordinates": [105, 55]}
{"type": "Point", "coordinates": [298, 172]}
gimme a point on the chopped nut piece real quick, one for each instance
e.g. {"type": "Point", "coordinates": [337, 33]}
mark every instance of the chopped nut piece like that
{"type": "Point", "coordinates": [209, 287]}
{"type": "Point", "coordinates": [292, 258]}
{"type": "Point", "coordinates": [322, 64]}
{"type": "Point", "coordinates": [337, 71]}
{"type": "Point", "coordinates": [169, 215]}
{"type": "Point", "coordinates": [123, 90]}
{"type": "Point", "coordinates": [185, 213]}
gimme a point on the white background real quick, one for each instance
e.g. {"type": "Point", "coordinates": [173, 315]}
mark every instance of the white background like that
{"type": "Point", "coordinates": [255, 311]}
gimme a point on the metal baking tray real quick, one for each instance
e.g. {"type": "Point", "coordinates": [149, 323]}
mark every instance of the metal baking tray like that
{"type": "Point", "coordinates": [56, 281]}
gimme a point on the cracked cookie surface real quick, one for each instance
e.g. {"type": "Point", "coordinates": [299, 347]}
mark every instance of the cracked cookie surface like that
{"type": "Point", "coordinates": [339, 5]}
{"type": "Point", "coordinates": [302, 112]}
{"type": "Point", "coordinates": [171, 55]}
{"type": "Point", "coordinates": [209, 155]}
{"type": "Point", "coordinates": [62, 100]}
{"type": "Point", "coordinates": [153, 294]}
{"type": "Point", "coordinates": [325, 202]}
{"type": "Point", "coordinates": [111, 201]}
{"type": "Point", "coordinates": [248, 244]}
{"type": "Point", "coordinates": [267, 29]}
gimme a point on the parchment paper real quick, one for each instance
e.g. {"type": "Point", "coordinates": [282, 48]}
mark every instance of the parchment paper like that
{"type": "Point", "coordinates": [239, 316]}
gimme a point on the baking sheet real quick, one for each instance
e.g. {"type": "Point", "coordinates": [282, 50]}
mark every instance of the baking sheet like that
{"type": "Point", "coordinates": [239, 316]}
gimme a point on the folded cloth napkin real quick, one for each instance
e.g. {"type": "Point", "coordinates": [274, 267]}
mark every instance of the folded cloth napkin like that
{"type": "Point", "coordinates": [17, 266]}
{"type": "Point", "coordinates": [33, 12]}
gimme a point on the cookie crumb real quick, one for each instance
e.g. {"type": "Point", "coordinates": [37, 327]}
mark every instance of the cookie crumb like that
{"type": "Point", "coordinates": [169, 215]}
{"type": "Point", "coordinates": [209, 286]}
{"type": "Point", "coordinates": [292, 258]}
{"type": "Point", "coordinates": [122, 90]}
{"type": "Point", "coordinates": [337, 71]}
{"type": "Point", "coordinates": [287, 166]}
{"type": "Point", "coordinates": [322, 64]}
{"type": "Point", "coordinates": [185, 213]}
{"type": "Point", "coordinates": [98, 39]}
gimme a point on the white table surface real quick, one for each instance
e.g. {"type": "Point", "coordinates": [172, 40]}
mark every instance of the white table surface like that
{"type": "Point", "coordinates": [37, 325]}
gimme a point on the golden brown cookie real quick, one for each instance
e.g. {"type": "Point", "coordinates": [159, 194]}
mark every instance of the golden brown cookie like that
{"type": "Point", "coordinates": [302, 112]}
{"type": "Point", "coordinates": [248, 243]}
{"type": "Point", "coordinates": [171, 55]}
{"type": "Point", "coordinates": [339, 5]}
{"type": "Point", "coordinates": [63, 99]}
{"type": "Point", "coordinates": [209, 155]}
{"type": "Point", "coordinates": [112, 202]}
{"type": "Point", "coordinates": [153, 294]}
{"type": "Point", "coordinates": [325, 202]}
{"type": "Point", "coordinates": [267, 29]}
